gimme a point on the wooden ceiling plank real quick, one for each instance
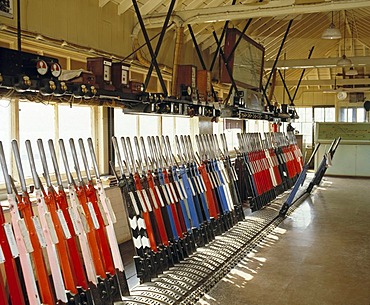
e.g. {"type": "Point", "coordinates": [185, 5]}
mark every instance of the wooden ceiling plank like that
{"type": "Point", "coordinates": [151, 5]}
{"type": "Point", "coordinates": [124, 6]}
{"type": "Point", "coordinates": [102, 3]}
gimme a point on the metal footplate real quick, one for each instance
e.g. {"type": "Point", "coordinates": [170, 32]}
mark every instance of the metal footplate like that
{"type": "Point", "coordinates": [169, 293]}
{"type": "Point", "coordinates": [178, 285]}
{"type": "Point", "coordinates": [189, 280]}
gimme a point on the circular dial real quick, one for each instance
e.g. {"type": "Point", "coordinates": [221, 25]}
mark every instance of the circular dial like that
{"type": "Point", "coordinates": [42, 67]}
{"type": "Point", "coordinates": [341, 95]}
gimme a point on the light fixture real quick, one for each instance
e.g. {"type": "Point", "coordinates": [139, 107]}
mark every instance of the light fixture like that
{"type": "Point", "coordinates": [344, 61]}
{"type": "Point", "coordinates": [352, 72]}
{"type": "Point", "coordinates": [331, 32]}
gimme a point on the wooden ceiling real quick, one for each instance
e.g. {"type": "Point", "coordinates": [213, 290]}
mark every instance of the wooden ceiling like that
{"type": "Point", "coordinates": [269, 23]}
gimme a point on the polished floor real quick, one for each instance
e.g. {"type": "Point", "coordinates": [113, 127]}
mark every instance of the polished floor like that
{"type": "Point", "coordinates": [319, 255]}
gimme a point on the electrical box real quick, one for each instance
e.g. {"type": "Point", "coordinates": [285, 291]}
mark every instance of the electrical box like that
{"type": "Point", "coordinates": [204, 85]}
{"type": "Point", "coordinates": [120, 75]}
{"type": "Point", "coordinates": [102, 69]}
{"type": "Point", "coordinates": [187, 83]}
{"type": "Point", "coordinates": [14, 65]}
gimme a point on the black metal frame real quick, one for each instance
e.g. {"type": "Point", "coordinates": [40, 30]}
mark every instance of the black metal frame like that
{"type": "Point", "coordinates": [233, 83]}
{"type": "Point", "coordinates": [149, 45]}
{"type": "Point", "coordinates": [241, 36]}
{"type": "Point", "coordinates": [110, 131]}
{"type": "Point", "coordinates": [291, 99]}
{"type": "Point", "coordinates": [144, 44]}
{"type": "Point", "coordinates": [264, 90]}
{"type": "Point", "coordinates": [226, 60]}
{"type": "Point", "coordinates": [196, 45]}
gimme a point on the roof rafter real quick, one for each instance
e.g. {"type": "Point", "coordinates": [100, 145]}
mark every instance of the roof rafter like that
{"type": "Point", "coordinates": [124, 6]}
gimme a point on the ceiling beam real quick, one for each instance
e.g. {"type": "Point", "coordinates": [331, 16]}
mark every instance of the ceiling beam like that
{"type": "Point", "coordinates": [315, 63]}
{"type": "Point", "coordinates": [273, 8]}
{"type": "Point", "coordinates": [326, 82]}
{"type": "Point", "coordinates": [269, 9]}
{"type": "Point", "coordinates": [124, 6]}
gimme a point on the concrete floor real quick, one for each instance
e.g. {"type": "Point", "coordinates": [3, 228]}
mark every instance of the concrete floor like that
{"type": "Point", "coordinates": [319, 255]}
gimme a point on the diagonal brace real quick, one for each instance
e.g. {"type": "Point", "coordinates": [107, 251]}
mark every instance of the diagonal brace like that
{"type": "Point", "coordinates": [220, 41]}
{"type": "Point", "coordinates": [160, 40]}
{"type": "Point", "coordinates": [292, 98]}
{"type": "Point", "coordinates": [276, 61]}
{"type": "Point", "coordinates": [204, 67]}
{"type": "Point", "coordinates": [233, 84]}
{"type": "Point", "coordinates": [150, 48]}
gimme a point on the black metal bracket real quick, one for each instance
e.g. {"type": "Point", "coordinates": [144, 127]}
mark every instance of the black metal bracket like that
{"type": "Point", "coordinates": [219, 43]}
{"type": "Point", "coordinates": [160, 40]}
{"type": "Point", "coordinates": [291, 99]}
{"type": "Point", "coordinates": [149, 45]}
{"type": "Point", "coordinates": [233, 84]}
{"type": "Point", "coordinates": [285, 86]}
{"type": "Point", "coordinates": [233, 51]}
{"type": "Point", "coordinates": [144, 44]}
{"type": "Point", "coordinates": [196, 45]}
{"type": "Point", "coordinates": [301, 77]}
{"type": "Point", "coordinates": [275, 62]}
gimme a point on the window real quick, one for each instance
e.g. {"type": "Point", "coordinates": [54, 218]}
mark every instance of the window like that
{"type": "Point", "coordinates": [125, 125]}
{"type": "Point", "coordinates": [5, 134]}
{"type": "Point", "coordinates": [304, 124]}
{"type": "Point", "coordinates": [232, 128]}
{"type": "Point", "coordinates": [257, 126]}
{"type": "Point", "coordinates": [352, 114]}
{"type": "Point", "coordinates": [168, 129]}
{"type": "Point", "coordinates": [329, 114]}
{"type": "Point", "coordinates": [218, 128]}
{"type": "Point", "coordinates": [74, 122]}
{"type": "Point", "coordinates": [182, 126]}
{"type": "Point", "coordinates": [149, 125]}
{"type": "Point", "coordinates": [36, 121]}
{"type": "Point", "coordinates": [324, 114]}
{"type": "Point", "coordinates": [319, 114]}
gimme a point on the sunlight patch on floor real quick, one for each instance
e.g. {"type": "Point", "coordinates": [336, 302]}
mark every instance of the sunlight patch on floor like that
{"type": "Point", "coordinates": [272, 236]}
{"type": "Point", "coordinates": [246, 276]}
{"type": "Point", "coordinates": [279, 230]}
{"type": "Point", "coordinates": [260, 259]}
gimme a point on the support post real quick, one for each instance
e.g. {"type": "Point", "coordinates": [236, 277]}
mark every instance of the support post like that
{"type": "Point", "coordinates": [272, 89]}
{"type": "Point", "coordinates": [110, 135]}
{"type": "Point", "coordinates": [176, 58]}
{"type": "Point", "coordinates": [19, 30]}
